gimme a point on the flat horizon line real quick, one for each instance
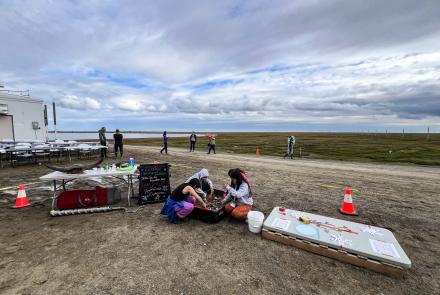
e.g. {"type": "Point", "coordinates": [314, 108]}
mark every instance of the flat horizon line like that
{"type": "Point", "coordinates": [279, 132]}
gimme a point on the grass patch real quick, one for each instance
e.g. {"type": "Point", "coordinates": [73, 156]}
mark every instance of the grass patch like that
{"type": "Point", "coordinates": [408, 148]}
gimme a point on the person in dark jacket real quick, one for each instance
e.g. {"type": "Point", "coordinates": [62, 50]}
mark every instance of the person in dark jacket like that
{"type": "Point", "coordinates": [103, 142]}
{"type": "Point", "coordinates": [192, 141]}
{"type": "Point", "coordinates": [165, 143]}
{"type": "Point", "coordinates": [181, 201]}
{"type": "Point", "coordinates": [119, 145]}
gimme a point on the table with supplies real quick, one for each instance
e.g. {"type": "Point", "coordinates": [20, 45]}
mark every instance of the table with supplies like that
{"type": "Point", "coordinates": [60, 179]}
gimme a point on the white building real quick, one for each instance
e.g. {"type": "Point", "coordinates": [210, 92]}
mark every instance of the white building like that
{"type": "Point", "coordinates": [21, 116]}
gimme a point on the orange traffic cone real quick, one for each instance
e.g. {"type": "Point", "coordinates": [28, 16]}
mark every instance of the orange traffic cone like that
{"type": "Point", "coordinates": [348, 206]}
{"type": "Point", "coordinates": [22, 200]}
{"type": "Point", "coordinates": [257, 152]}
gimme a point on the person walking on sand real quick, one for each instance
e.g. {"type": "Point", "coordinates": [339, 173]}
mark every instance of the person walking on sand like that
{"type": "Point", "coordinates": [103, 142]}
{"type": "Point", "coordinates": [192, 142]}
{"type": "Point", "coordinates": [165, 143]}
{"type": "Point", "coordinates": [211, 144]}
{"type": "Point", "coordinates": [119, 145]}
{"type": "Point", "coordinates": [290, 143]}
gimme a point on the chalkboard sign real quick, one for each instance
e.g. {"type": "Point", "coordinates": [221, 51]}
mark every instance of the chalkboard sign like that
{"type": "Point", "coordinates": [154, 183]}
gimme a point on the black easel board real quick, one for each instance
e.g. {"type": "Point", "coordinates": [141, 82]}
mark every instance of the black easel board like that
{"type": "Point", "coordinates": [154, 183]}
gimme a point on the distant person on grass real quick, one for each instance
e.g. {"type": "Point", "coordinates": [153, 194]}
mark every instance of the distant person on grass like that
{"type": "Point", "coordinates": [103, 142]}
{"type": "Point", "coordinates": [165, 143]}
{"type": "Point", "coordinates": [119, 145]}
{"type": "Point", "coordinates": [290, 143]}
{"type": "Point", "coordinates": [181, 201]}
{"type": "Point", "coordinates": [239, 195]}
{"type": "Point", "coordinates": [192, 141]}
{"type": "Point", "coordinates": [211, 144]}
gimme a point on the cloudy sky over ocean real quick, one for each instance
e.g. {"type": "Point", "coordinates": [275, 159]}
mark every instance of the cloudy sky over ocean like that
{"type": "Point", "coordinates": [227, 65]}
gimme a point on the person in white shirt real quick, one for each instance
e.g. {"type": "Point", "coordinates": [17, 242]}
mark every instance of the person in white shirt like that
{"type": "Point", "coordinates": [239, 195]}
{"type": "Point", "coordinates": [206, 187]}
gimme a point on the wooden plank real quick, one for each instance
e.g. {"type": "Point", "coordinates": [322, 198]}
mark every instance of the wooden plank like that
{"type": "Point", "coordinates": [338, 254]}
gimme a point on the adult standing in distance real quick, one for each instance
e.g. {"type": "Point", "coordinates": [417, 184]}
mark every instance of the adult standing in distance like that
{"type": "Point", "coordinates": [211, 144]}
{"type": "Point", "coordinates": [103, 142]}
{"type": "Point", "coordinates": [192, 142]}
{"type": "Point", "coordinates": [119, 145]}
{"type": "Point", "coordinates": [290, 143]}
{"type": "Point", "coordinates": [165, 143]}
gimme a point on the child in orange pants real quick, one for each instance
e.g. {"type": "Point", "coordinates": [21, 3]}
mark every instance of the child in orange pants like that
{"type": "Point", "coordinates": [238, 212]}
{"type": "Point", "coordinates": [239, 196]}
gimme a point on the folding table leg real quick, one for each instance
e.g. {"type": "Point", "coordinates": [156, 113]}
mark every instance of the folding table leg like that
{"type": "Point", "coordinates": [54, 194]}
{"type": "Point", "coordinates": [129, 189]}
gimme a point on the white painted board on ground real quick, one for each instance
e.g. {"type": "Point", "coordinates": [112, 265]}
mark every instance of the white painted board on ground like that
{"type": "Point", "coordinates": [361, 239]}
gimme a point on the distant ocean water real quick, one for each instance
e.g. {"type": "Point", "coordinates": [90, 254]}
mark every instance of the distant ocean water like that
{"type": "Point", "coordinates": [94, 136]}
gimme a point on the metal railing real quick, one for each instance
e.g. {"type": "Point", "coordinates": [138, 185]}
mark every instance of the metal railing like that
{"type": "Point", "coordinates": [16, 92]}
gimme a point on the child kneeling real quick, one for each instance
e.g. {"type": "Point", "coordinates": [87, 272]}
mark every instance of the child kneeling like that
{"type": "Point", "coordinates": [239, 195]}
{"type": "Point", "coordinates": [181, 201]}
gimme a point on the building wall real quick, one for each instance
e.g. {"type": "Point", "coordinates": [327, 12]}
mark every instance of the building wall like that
{"type": "Point", "coordinates": [24, 110]}
{"type": "Point", "coordinates": [6, 127]}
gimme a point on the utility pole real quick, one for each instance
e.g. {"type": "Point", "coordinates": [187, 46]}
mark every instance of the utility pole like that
{"type": "Point", "coordinates": [46, 122]}
{"type": "Point", "coordinates": [54, 119]}
{"type": "Point", "coordinates": [427, 135]}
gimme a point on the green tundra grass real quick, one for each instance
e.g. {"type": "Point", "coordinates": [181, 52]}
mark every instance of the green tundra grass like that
{"type": "Point", "coordinates": [365, 147]}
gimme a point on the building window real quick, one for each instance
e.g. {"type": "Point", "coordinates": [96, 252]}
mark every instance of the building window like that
{"type": "Point", "coordinates": [3, 109]}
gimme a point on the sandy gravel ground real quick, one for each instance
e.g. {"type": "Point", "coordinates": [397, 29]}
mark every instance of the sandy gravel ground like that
{"type": "Point", "coordinates": [141, 253]}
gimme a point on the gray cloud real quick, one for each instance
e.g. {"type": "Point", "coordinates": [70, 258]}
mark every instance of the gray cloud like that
{"type": "Point", "coordinates": [310, 61]}
{"type": "Point", "coordinates": [417, 106]}
{"type": "Point", "coordinates": [79, 103]}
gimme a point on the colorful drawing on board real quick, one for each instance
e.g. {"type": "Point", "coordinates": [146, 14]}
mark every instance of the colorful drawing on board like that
{"type": "Point", "coordinates": [282, 224]}
{"type": "Point", "coordinates": [327, 226]}
{"type": "Point", "coordinates": [374, 231]}
{"type": "Point", "coordinates": [341, 240]}
{"type": "Point", "coordinates": [384, 248]}
{"type": "Point", "coordinates": [295, 215]}
{"type": "Point", "coordinates": [307, 230]}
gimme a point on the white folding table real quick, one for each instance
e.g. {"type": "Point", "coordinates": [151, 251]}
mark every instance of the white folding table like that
{"type": "Point", "coordinates": [58, 176]}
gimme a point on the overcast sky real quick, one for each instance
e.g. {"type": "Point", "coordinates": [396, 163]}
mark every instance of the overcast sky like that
{"type": "Point", "coordinates": [227, 65]}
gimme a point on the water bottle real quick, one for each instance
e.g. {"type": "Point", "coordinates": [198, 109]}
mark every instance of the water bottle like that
{"type": "Point", "coordinates": [131, 162]}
